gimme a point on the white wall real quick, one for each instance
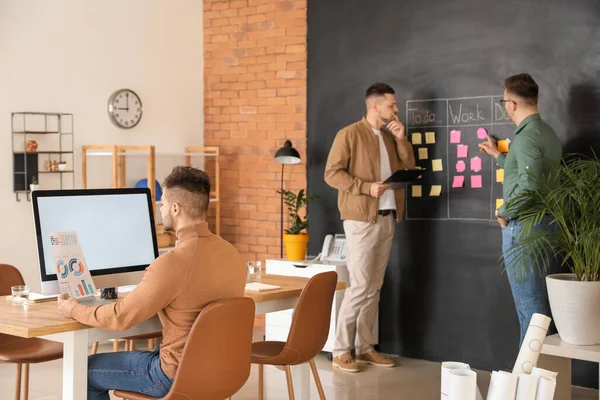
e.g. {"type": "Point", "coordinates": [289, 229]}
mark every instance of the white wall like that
{"type": "Point", "coordinates": [69, 56]}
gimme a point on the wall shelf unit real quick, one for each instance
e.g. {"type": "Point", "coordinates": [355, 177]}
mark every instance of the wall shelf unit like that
{"type": "Point", "coordinates": [40, 143]}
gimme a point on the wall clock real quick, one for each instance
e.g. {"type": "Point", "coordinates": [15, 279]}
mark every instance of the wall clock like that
{"type": "Point", "coordinates": [124, 108]}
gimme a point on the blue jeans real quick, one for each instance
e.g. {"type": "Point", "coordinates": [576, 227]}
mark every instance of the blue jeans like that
{"type": "Point", "coordinates": [529, 290]}
{"type": "Point", "coordinates": [134, 371]}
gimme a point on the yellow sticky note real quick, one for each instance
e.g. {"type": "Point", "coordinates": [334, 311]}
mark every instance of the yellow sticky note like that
{"type": "Point", "coordinates": [436, 190]}
{"type": "Point", "coordinates": [423, 154]}
{"type": "Point", "coordinates": [436, 165]}
{"type": "Point", "coordinates": [499, 175]}
{"type": "Point", "coordinates": [416, 191]}
{"type": "Point", "coordinates": [416, 138]}
{"type": "Point", "coordinates": [430, 137]}
{"type": "Point", "coordinates": [503, 145]}
{"type": "Point", "coordinates": [499, 203]}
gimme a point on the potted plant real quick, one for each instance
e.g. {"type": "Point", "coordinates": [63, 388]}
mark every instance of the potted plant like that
{"type": "Point", "coordinates": [34, 184]}
{"type": "Point", "coordinates": [294, 239]}
{"type": "Point", "coordinates": [571, 198]}
{"type": "Point", "coordinates": [62, 165]}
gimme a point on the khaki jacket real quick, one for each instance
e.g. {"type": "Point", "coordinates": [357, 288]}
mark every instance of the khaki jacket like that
{"type": "Point", "coordinates": [354, 164]}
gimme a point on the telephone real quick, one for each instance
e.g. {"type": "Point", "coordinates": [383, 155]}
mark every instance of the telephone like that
{"type": "Point", "coordinates": [334, 250]}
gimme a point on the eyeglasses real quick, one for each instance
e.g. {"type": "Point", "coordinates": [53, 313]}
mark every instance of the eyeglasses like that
{"type": "Point", "coordinates": [503, 102]}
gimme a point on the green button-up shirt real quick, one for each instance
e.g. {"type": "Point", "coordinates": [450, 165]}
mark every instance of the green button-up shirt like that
{"type": "Point", "coordinates": [535, 150]}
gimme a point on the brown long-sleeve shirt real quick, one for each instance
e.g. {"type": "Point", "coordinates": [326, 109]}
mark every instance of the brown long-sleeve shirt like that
{"type": "Point", "coordinates": [354, 164]}
{"type": "Point", "coordinates": [176, 286]}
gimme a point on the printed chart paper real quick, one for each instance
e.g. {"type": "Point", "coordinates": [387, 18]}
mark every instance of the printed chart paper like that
{"type": "Point", "coordinates": [72, 272]}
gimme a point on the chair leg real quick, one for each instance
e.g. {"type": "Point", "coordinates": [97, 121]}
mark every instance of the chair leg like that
{"type": "Point", "coordinates": [261, 382]}
{"type": "Point", "coordinates": [288, 375]}
{"type": "Point", "coordinates": [18, 385]}
{"type": "Point", "coordinates": [25, 381]}
{"type": "Point", "coordinates": [115, 345]}
{"type": "Point", "coordinates": [313, 367]}
{"type": "Point", "coordinates": [129, 345]}
{"type": "Point", "coordinates": [95, 347]}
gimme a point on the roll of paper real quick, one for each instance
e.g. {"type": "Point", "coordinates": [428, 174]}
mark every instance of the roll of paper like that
{"type": "Point", "coordinates": [546, 388]}
{"type": "Point", "coordinates": [532, 344]}
{"type": "Point", "coordinates": [527, 387]}
{"type": "Point", "coordinates": [503, 386]}
{"type": "Point", "coordinates": [446, 368]}
{"type": "Point", "coordinates": [544, 372]}
{"type": "Point", "coordinates": [463, 384]}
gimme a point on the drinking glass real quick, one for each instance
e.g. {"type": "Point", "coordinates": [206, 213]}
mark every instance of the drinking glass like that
{"type": "Point", "coordinates": [20, 295]}
{"type": "Point", "coordinates": [254, 271]}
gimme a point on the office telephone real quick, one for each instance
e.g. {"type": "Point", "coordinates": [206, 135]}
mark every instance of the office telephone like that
{"type": "Point", "coordinates": [334, 250]}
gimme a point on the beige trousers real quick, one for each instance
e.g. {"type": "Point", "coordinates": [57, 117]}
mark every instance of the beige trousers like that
{"type": "Point", "coordinates": [369, 247]}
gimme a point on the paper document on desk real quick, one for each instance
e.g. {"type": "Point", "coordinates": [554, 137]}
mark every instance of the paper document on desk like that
{"type": "Point", "coordinates": [260, 287]}
{"type": "Point", "coordinates": [72, 272]}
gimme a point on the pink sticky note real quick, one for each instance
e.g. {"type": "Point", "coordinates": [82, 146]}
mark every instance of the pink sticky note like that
{"type": "Point", "coordinates": [476, 181]}
{"type": "Point", "coordinates": [458, 181]}
{"type": "Point", "coordinates": [481, 133]}
{"type": "Point", "coordinates": [460, 166]}
{"type": "Point", "coordinates": [462, 151]}
{"type": "Point", "coordinates": [454, 136]}
{"type": "Point", "coordinates": [475, 164]}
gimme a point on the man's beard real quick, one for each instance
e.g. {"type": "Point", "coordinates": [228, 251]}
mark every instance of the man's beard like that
{"type": "Point", "coordinates": [168, 224]}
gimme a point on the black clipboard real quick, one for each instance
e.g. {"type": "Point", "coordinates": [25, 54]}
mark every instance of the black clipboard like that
{"type": "Point", "coordinates": [404, 177]}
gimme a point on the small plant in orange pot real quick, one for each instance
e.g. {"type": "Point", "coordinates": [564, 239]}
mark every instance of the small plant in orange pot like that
{"type": "Point", "coordinates": [294, 239]}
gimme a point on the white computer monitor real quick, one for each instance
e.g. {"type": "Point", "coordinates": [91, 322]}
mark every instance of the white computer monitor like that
{"type": "Point", "coordinates": [115, 228]}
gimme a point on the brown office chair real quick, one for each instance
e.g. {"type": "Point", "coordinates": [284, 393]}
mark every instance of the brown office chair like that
{"type": "Point", "coordinates": [21, 351]}
{"type": "Point", "coordinates": [308, 334]}
{"type": "Point", "coordinates": [216, 358]}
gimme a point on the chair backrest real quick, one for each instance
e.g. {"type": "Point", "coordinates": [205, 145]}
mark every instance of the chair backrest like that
{"type": "Point", "coordinates": [311, 320]}
{"type": "Point", "coordinates": [216, 358]}
{"type": "Point", "coordinates": [9, 276]}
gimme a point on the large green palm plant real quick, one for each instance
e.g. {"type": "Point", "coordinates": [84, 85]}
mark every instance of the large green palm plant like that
{"type": "Point", "coordinates": [571, 197]}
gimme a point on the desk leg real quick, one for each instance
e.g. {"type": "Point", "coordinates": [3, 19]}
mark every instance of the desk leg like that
{"type": "Point", "coordinates": [304, 386]}
{"type": "Point", "coordinates": [75, 365]}
{"type": "Point", "coordinates": [563, 380]}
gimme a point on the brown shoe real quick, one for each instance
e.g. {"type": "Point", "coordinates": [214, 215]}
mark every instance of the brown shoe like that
{"type": "Point", "coordinates": [345, 363]}
{"type": "Point", "coordinates": [375, 358]}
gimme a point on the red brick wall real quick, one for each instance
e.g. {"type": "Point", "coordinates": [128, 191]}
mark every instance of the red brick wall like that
{"type": "Point", "coordinates": [254, 99]}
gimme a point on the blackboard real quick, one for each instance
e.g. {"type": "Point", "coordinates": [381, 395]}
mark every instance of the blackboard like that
{"type": "Point", "coordinates": [445, 296]}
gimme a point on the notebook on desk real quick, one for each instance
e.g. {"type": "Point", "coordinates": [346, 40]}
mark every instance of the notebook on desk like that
{"type": "Point", "coordinates": [38, 297]}
{"type": "Point", "coordinates": [260, 287]}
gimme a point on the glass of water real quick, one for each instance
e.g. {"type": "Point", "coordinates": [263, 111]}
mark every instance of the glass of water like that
{"type": "Point", "coordinates": [254, 271]}
{"type": "Point", "coordinates": [20, 295]}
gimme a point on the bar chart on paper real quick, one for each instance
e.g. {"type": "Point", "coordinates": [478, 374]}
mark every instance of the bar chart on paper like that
{"type": "Point", "coordinates": [460, 182]}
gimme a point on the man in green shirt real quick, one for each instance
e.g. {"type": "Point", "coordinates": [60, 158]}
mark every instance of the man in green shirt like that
{"type": "Point", "coordinates": [535, 150]}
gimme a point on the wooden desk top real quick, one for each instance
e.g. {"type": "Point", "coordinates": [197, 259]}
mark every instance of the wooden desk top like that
{"type": "Point", "coordinates": [40, 319]}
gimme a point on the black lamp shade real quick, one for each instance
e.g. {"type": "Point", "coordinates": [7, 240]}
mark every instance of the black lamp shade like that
{"type": "Point", "coordinates": [287, 154]}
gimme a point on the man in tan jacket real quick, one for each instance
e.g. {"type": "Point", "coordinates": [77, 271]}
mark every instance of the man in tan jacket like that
{"type": "Point", "coordinates": [362, 156]}
{"type": "Point", "coordinates": [176, 286]}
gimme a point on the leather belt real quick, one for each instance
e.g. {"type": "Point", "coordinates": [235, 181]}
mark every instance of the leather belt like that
{"type": "Point", "coordinates": [385, 213]}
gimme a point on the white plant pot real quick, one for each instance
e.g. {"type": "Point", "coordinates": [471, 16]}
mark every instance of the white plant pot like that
{"type": "Point", "coordinates": [574, 306]}
{"type": "Point", "coordinates": [33, 187]}
{"type": "Point", "coordinates": [62, 167]}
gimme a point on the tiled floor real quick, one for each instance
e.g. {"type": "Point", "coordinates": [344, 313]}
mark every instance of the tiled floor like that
{"type": "Point", "coordinates": [410, 380]}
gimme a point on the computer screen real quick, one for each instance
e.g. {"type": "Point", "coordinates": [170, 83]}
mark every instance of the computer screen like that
{"type": "Point", "coordinates": [115, 229]}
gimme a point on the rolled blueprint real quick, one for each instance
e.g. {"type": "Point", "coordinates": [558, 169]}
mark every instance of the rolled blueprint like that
{"type": "Point", "coordinates": [527, 387]}
{"type": "Point", "coordinates": [544, 372]}
{"type": "Point", "coordinates": [503, 386]}
{"type": "Point", "coordinates": [446, 368]}
{"type": "Point", "coordinates": [546, 388]}
{"type": "Point", "coordinates": [532, 344]}
{"type": "Point", "coordinates": [463, 384]}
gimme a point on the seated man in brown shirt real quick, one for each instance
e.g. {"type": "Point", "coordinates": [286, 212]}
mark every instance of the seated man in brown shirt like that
{"type": "Point", "coordinates": [176, 286]}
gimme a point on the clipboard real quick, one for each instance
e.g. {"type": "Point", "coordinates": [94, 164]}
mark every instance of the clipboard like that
{"type": "Point", "coordinates": [404, 177]}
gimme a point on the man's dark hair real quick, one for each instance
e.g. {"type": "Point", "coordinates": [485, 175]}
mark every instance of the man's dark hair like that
{"type": "Point", "coordinates": [379, 89]}
{"type": "Point", "coordinates": [191, 187]}
{"type": "Point", "coordinates": [523, 86]}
